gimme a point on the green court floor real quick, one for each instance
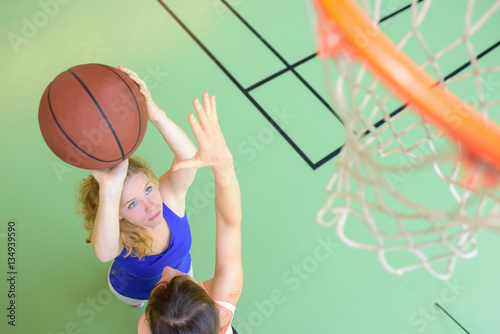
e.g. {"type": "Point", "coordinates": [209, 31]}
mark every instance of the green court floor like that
{"type": "Point", "coordinates": [258, 58]}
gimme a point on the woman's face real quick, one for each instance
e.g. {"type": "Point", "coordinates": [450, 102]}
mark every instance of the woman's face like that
{"type": "Point", "coordinates": [141, 202]}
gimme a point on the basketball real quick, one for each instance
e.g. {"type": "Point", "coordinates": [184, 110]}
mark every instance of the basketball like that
{"type": "Point", "coordinates": [92, 116]}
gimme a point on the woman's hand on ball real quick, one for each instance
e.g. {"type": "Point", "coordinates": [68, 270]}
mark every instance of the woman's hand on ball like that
{"type": "Point", "coordinates": [154, 112]}
{"type": "Point", "coordinates": [113, 177]}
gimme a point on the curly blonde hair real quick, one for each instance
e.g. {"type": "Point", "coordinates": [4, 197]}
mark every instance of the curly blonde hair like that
{"type": "Point", "coordinates": [136, 242]}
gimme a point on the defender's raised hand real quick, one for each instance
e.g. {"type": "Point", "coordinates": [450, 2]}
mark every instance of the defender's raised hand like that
{"type": "Point", "coordinates": [212, 149]}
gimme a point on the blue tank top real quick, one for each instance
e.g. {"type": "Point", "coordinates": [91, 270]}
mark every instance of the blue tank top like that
{"type": "Point", "coordinates": [136, 279]}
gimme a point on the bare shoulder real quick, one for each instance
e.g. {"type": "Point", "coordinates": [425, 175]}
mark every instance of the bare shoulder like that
{"type": "Point", "coordinates": [224, 313]}
{"type": "Point", "coordinates": [218, 292]}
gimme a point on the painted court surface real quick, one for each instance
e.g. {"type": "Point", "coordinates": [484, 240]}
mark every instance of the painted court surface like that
{"type": "Point", "coordinates": [258, 58]}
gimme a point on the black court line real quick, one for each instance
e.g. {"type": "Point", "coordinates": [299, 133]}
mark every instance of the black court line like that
{"type": "Point", "coordinates": [287, 68]}
{"type": "Point", "coordinates": [385, 18]}
{"type": "Point", "coordinates": [300, 62]}
{"type": "Point", "coordinates": [292, 67]}
{"type": "Point", "coordinates": [237, 84]}
{"type": "Point", "coordinates": [467, 64]}
{"type": "Point", "coordinates": [449, 315]}
{"type": "Point", "coordinates": [446, 78]}
{"type": "Point", "coordinates": [379, 123]}
{"type": "Point", "coordinates": [287, 65]}
{"type": "Point", "coordinates": [277, 74]}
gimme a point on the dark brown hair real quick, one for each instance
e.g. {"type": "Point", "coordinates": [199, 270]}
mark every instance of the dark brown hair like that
{"type": "Point", "coordinates": [181, 306]}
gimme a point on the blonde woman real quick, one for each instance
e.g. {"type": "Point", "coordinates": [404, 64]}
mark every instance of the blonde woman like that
{"type": "Point", "coordinates": [137, 220]}
{"type": "Point", "coordinates": [179, 304]}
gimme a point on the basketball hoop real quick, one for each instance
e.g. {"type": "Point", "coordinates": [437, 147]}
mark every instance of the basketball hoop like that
{"type": "Point", "coordinates": [436, 140]}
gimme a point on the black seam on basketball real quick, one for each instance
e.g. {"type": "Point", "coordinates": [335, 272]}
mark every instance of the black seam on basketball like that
{"type": "Point", "coordinates": [66, 135]}
{"type": "Point", "coordinates": [100, 110]}
{"type": "Point", "coordinates": [136, 104]}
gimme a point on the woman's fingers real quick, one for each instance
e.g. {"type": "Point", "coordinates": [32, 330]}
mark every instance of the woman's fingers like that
{"type": "Point", "coordinates": [140, 82]}
{"type": "Point", "coordinates": [212, 105]}
{"type": "Point", "coordinates": [206, 103]}
{"type": "Point", "coordinates": [126, 70]}
{"type": "Point", "coordinates": [198, 132]}
{"type": "Point", "coordinates": [132, 75]}
{"type": "Point", "coordinates": [207, 113]}
{"type": "Point", "coordinates": [214, 117]}
{"type": "Point", "coordinates": [111, 175]}
{"type": "Point", "coordinates": [207, 132]}
{"type": "Point", "coordinates": [200, 112]}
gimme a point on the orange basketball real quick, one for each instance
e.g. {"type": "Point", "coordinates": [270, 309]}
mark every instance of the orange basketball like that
{"type": "Point", "coordinates": [92, 116]}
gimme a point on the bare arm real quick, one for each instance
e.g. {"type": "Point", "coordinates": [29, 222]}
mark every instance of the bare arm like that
{"type": "Point", "coordinates": [105, 238]}
{"type": "Point", "coordinates": [173, 184]}
{"type": "Point", "coordinates": [227, 282]}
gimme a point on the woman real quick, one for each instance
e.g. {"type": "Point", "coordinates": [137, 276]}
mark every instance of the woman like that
{"type": "Point", "coordinates": [137, 219]}
{"type": "Point", "coordinates": [178, 304]}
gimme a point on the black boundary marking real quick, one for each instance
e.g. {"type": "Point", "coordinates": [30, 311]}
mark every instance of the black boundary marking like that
{"type": "Point", "coordinates": [467, 64]}
{"type": "Point", "coordinates": [66, 135]}
{"type": "Point", "coordinates": [237, 84]}
{"type": "Point", "coordinates": [277, 74]}
{"type": "Point", "coordinates": [136, 104]}
{"type": "Point", "coordinates": [291, 67]}
{"type": "Point", "coordinates": [449, 76]}
{"type": "Point", "coordinates": [337, 151]}
{"type": "Point", "coordinates": [287, 65]}
{"type": "Point", "coordinates": [100, 110]}
{"type": "Point", "coordinates": [396, 12]}
{"type": "Point", "coordinates": [449, 315]}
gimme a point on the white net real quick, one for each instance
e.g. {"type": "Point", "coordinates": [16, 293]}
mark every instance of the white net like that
{"type": "Point", "coordinates": [401, 187]}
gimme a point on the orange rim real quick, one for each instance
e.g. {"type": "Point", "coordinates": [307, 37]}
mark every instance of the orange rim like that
{"type": "Point", "coordinates": [361, 36]}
